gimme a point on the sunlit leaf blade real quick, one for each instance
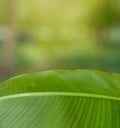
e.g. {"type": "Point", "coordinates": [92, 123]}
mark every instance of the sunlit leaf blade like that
{"type": "Point", "coordinates": [61, 99]}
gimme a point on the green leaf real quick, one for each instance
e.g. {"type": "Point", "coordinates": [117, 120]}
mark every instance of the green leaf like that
{"type": "Point", "coordinates": [61, 99]}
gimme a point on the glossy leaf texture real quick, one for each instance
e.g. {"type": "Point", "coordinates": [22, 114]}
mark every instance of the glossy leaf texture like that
{"type": "Point", "coordinates": [61, 99]}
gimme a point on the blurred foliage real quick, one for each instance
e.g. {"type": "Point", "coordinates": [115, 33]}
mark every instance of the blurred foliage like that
{"type": "Point", "coordinates": [66, 34]}
{"type": "Point", "coordinates": [105, 14]}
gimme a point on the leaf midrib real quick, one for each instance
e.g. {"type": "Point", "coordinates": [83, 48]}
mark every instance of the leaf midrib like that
{"type": "Point", "coordinates": [60, 94]}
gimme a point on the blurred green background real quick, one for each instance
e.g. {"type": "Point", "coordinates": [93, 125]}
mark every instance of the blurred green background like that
{"type": "Point", "coordinates": [38, 35]}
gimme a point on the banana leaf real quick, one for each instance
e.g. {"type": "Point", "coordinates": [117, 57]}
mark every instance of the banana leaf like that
{"type": "Point", "coordinates": [61, 99]}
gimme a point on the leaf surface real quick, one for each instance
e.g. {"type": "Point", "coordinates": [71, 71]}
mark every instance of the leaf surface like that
{"type": "Point", "coordinates": [61, 99]}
